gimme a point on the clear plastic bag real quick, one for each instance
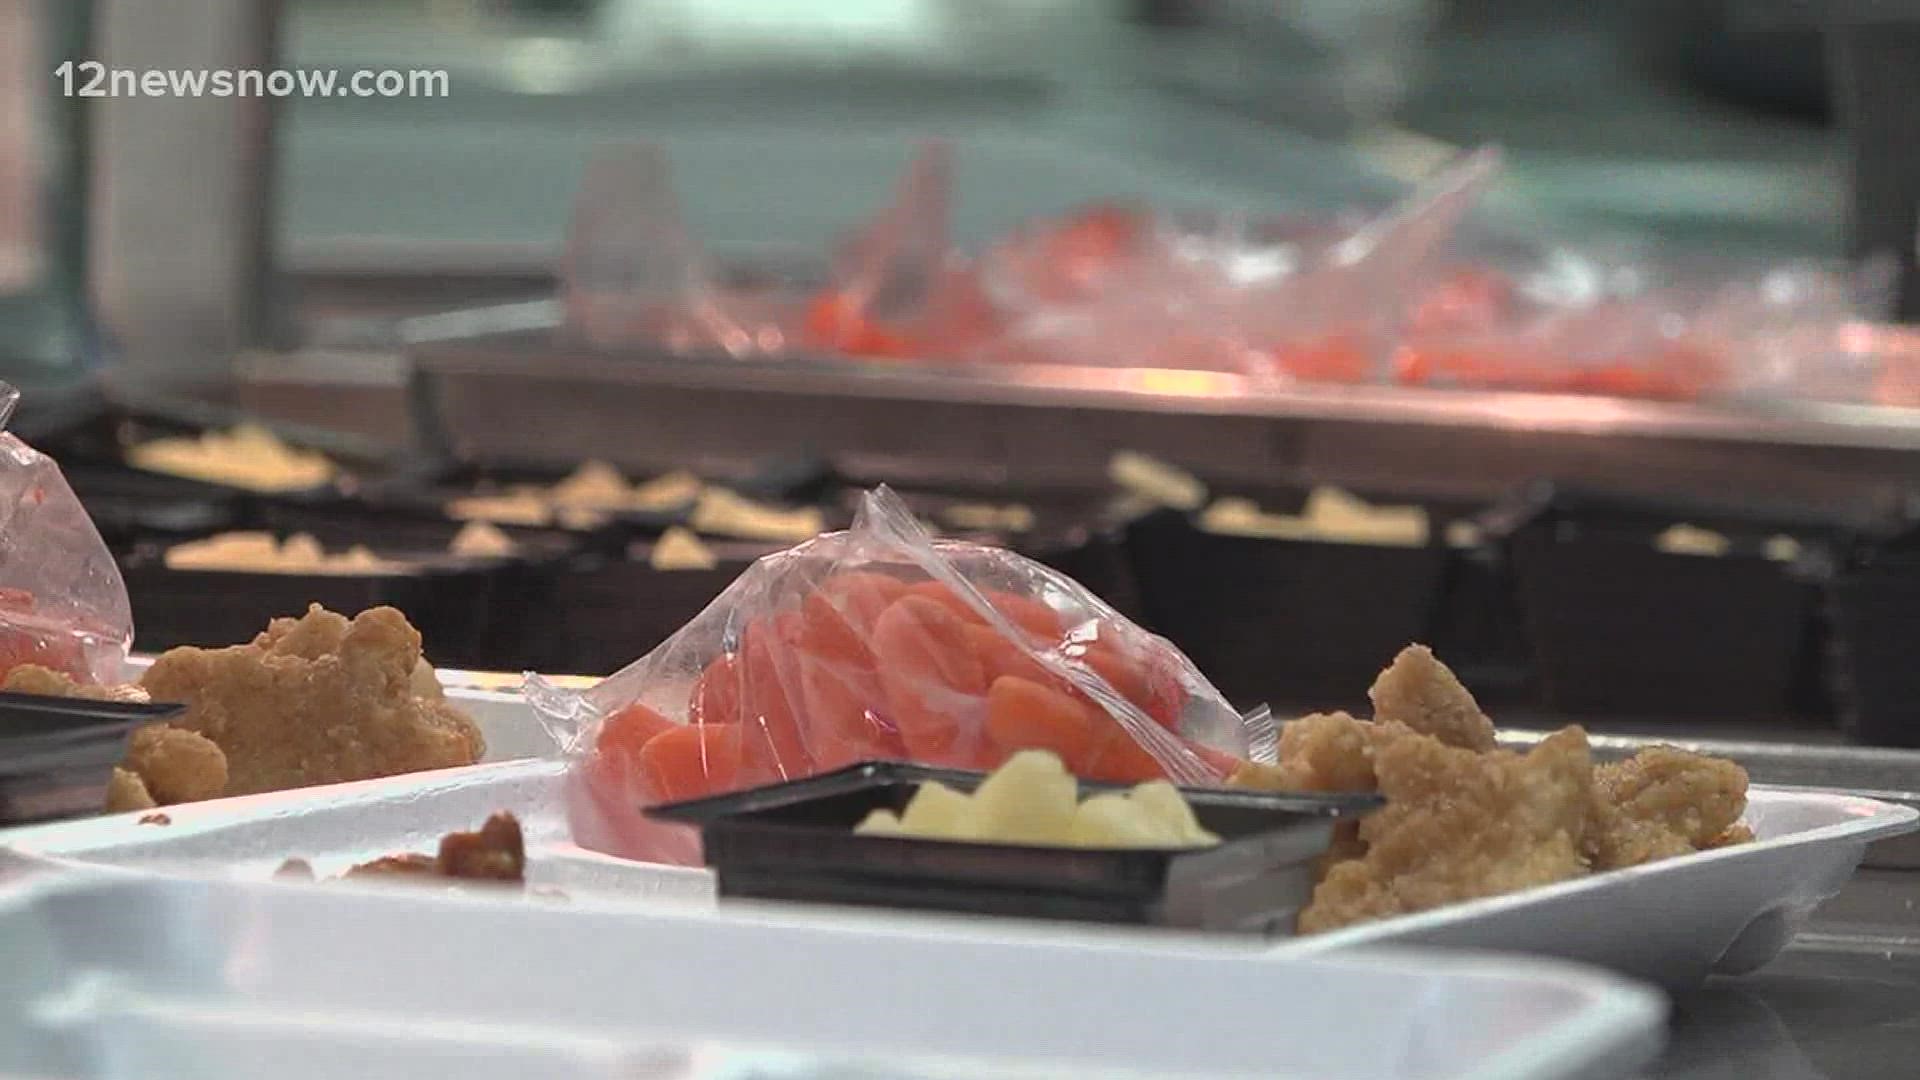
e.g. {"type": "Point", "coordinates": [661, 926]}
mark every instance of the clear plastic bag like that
{"type": "Point", "coordinates": [882, 643]}
{"type": "Point", "coordinates": [1275, 299]}
{"type": "Point", "coordinates": [62, 602]}
{"type": "Point", "coordinates": [634, 275]}
{"type": "Point", "coordinates": [1634, 323]}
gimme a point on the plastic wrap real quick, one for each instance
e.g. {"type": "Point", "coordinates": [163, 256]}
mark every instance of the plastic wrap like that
{"type": "Point", "coordinates": [634, 274]}
{"type": "Point", "coordinates": [1275, 299]}
{"type": "Point", "coordinates": [62, 603]}
{"type": "Point", "coordinates": [880, 643]}
{"type": "Point", "coordinates": [899, 290]}
{"type": "Point", "coordinates": [1637, 324]}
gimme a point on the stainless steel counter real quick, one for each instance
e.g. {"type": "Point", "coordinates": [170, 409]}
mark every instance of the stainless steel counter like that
{"type": "Point", "coordinates": [532, 397]}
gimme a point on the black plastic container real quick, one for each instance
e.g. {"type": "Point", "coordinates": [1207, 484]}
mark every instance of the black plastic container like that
{"type": "Point", "coordinates": [604, 613]}
{"type": "Point", "coordinates": [1292, 623]}
{"type": "Point", "coordinates": [1619, 627]}
{"type": "Point", "coordinates": [795, 841]}
{"type": "Point", "coordinates": [1873, 603]}
{"type": "Point", "coordinates": [450, 601]}
{"type": "Point", "coordinates": [130, 507]}
{"type": "Point", "coordinates": [57, 754]}
{"type": "Point", "coordinates": [519, 592]}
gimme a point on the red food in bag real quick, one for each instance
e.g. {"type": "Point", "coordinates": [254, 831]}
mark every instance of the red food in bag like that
{"type": "Point", "coordinates": [881, 643]}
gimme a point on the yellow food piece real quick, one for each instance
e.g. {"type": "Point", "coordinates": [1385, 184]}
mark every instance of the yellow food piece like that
{"type": "Point", "coordinates": [1781, 549]}
{"type": "Point", "coordinates": [1033, 800]}
{"type": "Point", "coordinates": [1156, 481]}
{"type": "Point", "coordinates": [595, 484]}
{"type": "Point", "coordinates": [881, 823]}
{"type": "Point", "coordinates": [513, 508]}
{"type": "Point", "coordinates": [723, 513]}
{"type": "Point", "coordinates": [679, 549]}
{"type": "Point", "coordinates": [259, 553]}
{"type": "Point", "coordinates": [482, 540]}
{"type": "Point", "coordinates": [1330, 515]}
{"type": "Point", "coordinates": [1684, 539]}
{"type": "Point", "coordinates": [984, 517]}
{"type": "Point", "coordinates": [248, 457]}
{"type": "Point", "coordinates": [666, 492]}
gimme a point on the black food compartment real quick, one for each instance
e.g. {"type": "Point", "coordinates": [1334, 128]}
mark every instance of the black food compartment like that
{"type": "Point", "coordinates": [604, 613]}
{"type": "Point", "coordinates": [451, 601]}
{"type": "Point", "coordinates": [1873, 603]}
{"type": "Point", "coordinates": [1295, 623]}
{"type": "Point", "coordinates": [519, 587]}
{"type": "Point", "coordinates": [57, 754]}
{"type": "Point", "coordinates": [795, 841]}
{"type": "Point", "coordinates": [1620, 626]}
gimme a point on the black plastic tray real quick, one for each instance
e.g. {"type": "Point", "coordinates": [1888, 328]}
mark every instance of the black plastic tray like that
{"type": "Point", "coordinates": [57, 754]}
{"type": "Point", "coordinates": [1620, 628]}
{"type": "Point", "coordinates": [795, 841]}
{"type": "Point", "coordinates": [604, 613]}
{"type": "Point", "coordinates": [451, 601]}
{"type": "Point", "coordinates": [1873, 603]}
{"type": "Point", "coordinates": [1293, 623]}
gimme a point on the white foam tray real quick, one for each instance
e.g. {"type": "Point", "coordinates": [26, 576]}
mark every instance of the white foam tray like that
{"type": "Point", "coordinates": [1728, 911]}
{"type": "Point", "coordinates": [160, 979]}
{"type": "Point", "coordinates": [507, 722]}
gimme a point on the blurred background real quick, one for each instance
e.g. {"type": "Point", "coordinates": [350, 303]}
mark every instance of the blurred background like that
{"type": "Point", "coordinates": [656, 235]}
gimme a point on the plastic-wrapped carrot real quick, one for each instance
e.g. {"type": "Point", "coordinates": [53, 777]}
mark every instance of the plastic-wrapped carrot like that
{"type": "Point", "coordinates": [931, 676]}
{"type": "Point", "coordinates": [691, 760]}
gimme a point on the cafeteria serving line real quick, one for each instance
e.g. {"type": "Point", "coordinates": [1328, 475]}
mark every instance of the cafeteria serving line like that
{"type": "Point", "coordinates": [927, 479]}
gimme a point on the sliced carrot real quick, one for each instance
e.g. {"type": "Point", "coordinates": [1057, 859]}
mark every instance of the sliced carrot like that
{"type": "Point", "coordinates": [716, 693]}
{"type": "Point", "coordinates": [1117, 758]}
{"type": "Point", "coordinates": [859, 596]}
{"type": "Point", "coordinates": [772, 748]}
{"type": "Point", "coordinates": [938, 592]}
{"type": "Point", "coordinates": [1002, 657]}
{"type": "Point", "coordinates": [1025, 715]}
{"type": "Point", "coordinates": [691, 760]}
{"type": "Point", "coordinates": [1153, 686]}
{"type": "Point", "coordinates": [626, 731]}
{"type": "Point", "coordinates": [840, 710]}
{"type": "Point", "coordinates": [1028, 614]}
{"type": "Point", "coordinates": [931, 674]}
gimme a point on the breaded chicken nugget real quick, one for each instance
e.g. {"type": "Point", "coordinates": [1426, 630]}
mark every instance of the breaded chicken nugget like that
{"type": "Point", "coordinates": [126, 791]}
{"type": "Point", "coordinates": [177, 765]}
{"type": "Point", "coordinates": [1460, 825]}
{"type": "Point", "coordinates": [1421, 692]}
{"type": "Point", "coordinates": [316, 700]}
{"type": "Point", "coordinates": [1664, 802]}
{"type": "Point", "coordinates": [34, 679]}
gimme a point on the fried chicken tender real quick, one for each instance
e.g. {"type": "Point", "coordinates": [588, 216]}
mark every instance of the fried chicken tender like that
{"type": "Point", "coordinates": [1320, 752]}
{"type": "Point", "coordinates": [316, 700]}
{"type": "Point", "coordinates": [127, 792]}
{"type": "Point", "coordinates": [1420, 692]}
{"type": "Point", "coordinates": [177, 765]}
{"type": "Point", "coordinates": [1664, 802]}
{"type": "Point", "coordinates": [1459, 825]}
{"type": "Point", "coordinates": [34, 679]}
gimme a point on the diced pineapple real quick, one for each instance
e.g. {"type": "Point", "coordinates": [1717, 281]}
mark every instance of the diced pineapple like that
{"type": "Point", "coordinates": [1029, 800]}
{"type": "Point", "coordinates": [939, 812]}
{"type": "Point", "coordinates": [1113, 820]}
{"type": "Point", "coordinates": [1163, 802]}
{"type": "Point", "coordinates": [881, 823]}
